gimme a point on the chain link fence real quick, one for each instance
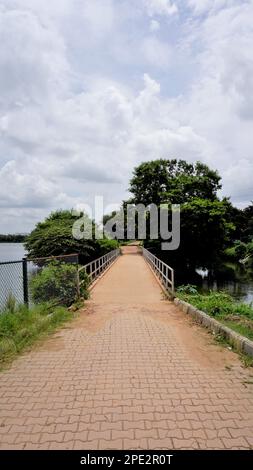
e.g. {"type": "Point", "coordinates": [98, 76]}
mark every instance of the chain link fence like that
{"type": "Point", "coordinates": [16, 277]}
{"type": "Point", "coordinates": [11, 282]}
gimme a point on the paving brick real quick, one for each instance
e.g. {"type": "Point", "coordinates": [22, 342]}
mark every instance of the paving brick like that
{"type": "Point", "coordinates": [156, 444]}
{"type": "Point", "coordinates": [123, 377]}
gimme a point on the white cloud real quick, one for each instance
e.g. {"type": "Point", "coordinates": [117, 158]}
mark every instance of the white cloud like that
{"type": "Point", "coordinates": [32, 59]}
{"type": "Point", "coordinates": [98, 16]}
{"type": "Point", "coordinates": [160, 7]}
{"type": "Point", "coordinates": [156, 52]}
{"type": "Point", "coordinates": [205, 6]}
{"type": "Point", "coordinates": [154, 26]}
{"type": "Point", "coordinates": [241, 172]}
{"type": "Point", "coordinates": [21, 185]}
{"type": "Point", "coordinates": [76, 117]}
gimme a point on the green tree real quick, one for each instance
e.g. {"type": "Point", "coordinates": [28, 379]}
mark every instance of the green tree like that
{"type": "Point", "coordinates": [53, 237]}
{"type": "Point", "coordinates": [206, 228]}
{"type": "Point", "coordinates": [174, 181]}
{"type": "Point", "coordinates": [247, 228]}
{"type": "Point", "coordinates": [205, 234]}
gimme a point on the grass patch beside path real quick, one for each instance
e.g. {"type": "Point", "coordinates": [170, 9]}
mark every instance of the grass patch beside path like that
{"type": "Point", "coordinates": [20, 327]}
{"type": "Point", "coordinates": [236, 315]}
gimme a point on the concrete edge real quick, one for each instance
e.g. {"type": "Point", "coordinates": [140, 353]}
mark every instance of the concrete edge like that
{"type": "Point", "coordinates": [239, 342]}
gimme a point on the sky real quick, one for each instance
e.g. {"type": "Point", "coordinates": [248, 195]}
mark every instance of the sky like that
{"type": "Point", "coordinates": [89, 89]}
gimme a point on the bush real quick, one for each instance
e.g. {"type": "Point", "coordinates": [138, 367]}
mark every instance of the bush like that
{"type": "Point", "coordinates": [57, 282]}
{"type": "Point", "coordinates": [84, 281]}
{"type": "Point", "coordinates": [188, 289]}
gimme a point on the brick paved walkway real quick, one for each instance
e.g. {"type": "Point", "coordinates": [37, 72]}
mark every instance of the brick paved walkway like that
{"type": "Point", "coordinates": [131, 373]}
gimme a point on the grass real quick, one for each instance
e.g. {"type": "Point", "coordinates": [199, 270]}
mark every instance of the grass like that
{"type": "Point", "coordinates": [21, 327]}
{"type": "Point", "coordinates": [236, 315]}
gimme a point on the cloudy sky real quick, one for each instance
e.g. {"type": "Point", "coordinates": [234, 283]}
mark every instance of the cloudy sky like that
{"type": "Point", "coordinates": [91, 88]}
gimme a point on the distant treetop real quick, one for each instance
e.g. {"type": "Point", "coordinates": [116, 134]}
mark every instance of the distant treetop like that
{"type": "Point", "coordinates": [12, 238]}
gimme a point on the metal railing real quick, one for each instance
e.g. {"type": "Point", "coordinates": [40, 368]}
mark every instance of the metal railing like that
{"type": "Point", "coordinates": [96, 267]}
{"type": "Point", "coordinates": [162, 270]}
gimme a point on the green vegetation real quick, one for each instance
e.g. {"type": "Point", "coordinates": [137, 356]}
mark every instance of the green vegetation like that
{"type": "Point", "coordinates": [206, 230]}
{"type": "Point", "coordinates": [53, 289]}
{"type": "Point", "coordinates": [12, 238]}
{"type": "Point", "coordinates": [54, 237]}
{"type": "Point", "coordinates": [174, 181]}
{"type": "Point", "coordinates": [237, 316]}
{"type": "Point", "coordinates": [20, 327]}
{"type": "Point", "coordinates": [58, 282]}
{"type": "Point", "coordinates": [241, 246]}
{"type": "Point", "coordinates": [212, 230]}
{"type": "Point", "coordinates": [241, 252]}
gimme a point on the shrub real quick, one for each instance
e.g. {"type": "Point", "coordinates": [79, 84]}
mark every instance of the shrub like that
{"type": "Point", "coordinates": [84, 281]}
{"type": "Point", "coordinates": [188, 289]}
{"type": "Point", "coordinates": [218, 304]}
{"type": "Point", "coordinates": [58, 282]}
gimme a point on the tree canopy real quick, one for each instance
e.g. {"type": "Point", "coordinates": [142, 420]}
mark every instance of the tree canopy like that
{"type": "Point", "coordinates": [205, 228]}
{"type": "Point", "coordinates": [174, 181]}
{"type": "Point", "coordinates": [53, 237]}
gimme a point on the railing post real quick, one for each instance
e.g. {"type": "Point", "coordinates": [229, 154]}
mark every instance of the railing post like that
{"type": "Point", "coordinates": [161, 269]}
{"type": "Point", "coordinates": [25, 281]}
{"type": "Point", "coordinates": [172, 281]}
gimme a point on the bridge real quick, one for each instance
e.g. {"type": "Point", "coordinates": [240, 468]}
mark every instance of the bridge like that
{"type": "Point", "coordinates": [132, 372]}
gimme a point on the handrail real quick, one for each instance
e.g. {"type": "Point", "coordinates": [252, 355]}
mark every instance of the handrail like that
{"type": "Point", "coordinates": [161, 269]}
{"type": "Point", "coordinates": [96, 267]}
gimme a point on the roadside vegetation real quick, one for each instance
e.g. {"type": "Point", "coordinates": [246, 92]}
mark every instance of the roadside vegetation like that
{"type": "Point", "coordinates": [58, 282]}
{"type": "Point", "coordinates": [53, 291]}
{"type": "Point", "coordinates": [236, 315]}
{"type": "Point", "coordinates": [21, 327]}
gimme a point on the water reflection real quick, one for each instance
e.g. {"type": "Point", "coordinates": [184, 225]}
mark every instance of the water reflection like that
{"type": "Point", "coordinates": [234, 279]}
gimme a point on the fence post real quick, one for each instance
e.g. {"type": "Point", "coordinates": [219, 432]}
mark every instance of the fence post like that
{"type": "Point", "coordinates": [25, 281]}
{"type": "Point", "coordinates": [78, 282]}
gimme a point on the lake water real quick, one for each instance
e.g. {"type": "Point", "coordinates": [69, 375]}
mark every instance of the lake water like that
{"type": "Point", "coordinates": [235, 280]}
{"type": "Point", "coordinates": [11, 251]}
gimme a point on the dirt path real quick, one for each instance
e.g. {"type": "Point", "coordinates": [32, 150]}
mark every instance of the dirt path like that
{"type": "Point", "coordinates": [132, 372]}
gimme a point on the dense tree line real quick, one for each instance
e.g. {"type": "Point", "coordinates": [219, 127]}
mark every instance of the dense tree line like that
{"type": "Point", "coordinates": [12, 238]}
